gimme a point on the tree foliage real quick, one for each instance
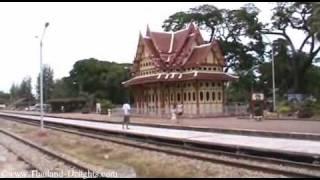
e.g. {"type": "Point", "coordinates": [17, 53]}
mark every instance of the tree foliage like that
{"type": "Point", "coordinates": [22, 92]}
{"type": "Point", "coordinates": [96, 79]}
{"type": "Point", "coordinates": [48, 83]}
{"type": "Point", "coordinates": [4, 98]}
{"type": "Point", "coordinates": [297, 16]}
{"type": "Point", "coordinates": [241, 34]}
{"type": "Point", "coordinates": [230, 27]}
{"type": "Point", "coordinates": [64, 88]}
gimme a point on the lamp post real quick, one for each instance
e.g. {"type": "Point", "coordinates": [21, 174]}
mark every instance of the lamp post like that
{"type": "Point", "coordinates": [273, 77]}
{"type": "Point", "coordinates": [41, 75]}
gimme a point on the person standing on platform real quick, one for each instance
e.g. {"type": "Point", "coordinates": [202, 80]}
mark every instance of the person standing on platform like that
{"type": "Point", "coordinates": [179, 112]}
{"type": "Point", "coordinates": [174, 112]}
{"type": "Point", "coordinates": [126, 111]}
{"type": "Point", "coordinates": [98, 108]}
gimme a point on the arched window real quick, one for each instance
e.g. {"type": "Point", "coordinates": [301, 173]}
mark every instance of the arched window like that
{"type": "Point", "coordinates": [189, 96]}
{"type": "Point", "coordinates": [178, 97]}
{"type": "Point", "coordinates": [171, 97]}
{"type": "Point", "coordinates": [219, 96]}
{"type": "Point", "coordinates": [207, 84]}
{"type": "Point", "coordinates": [184, 96]}
{"type": "Point", "coordinates": [201, 96]}
{"type": "Point", "coordinates": [213, 84]}
{"type": "Point", "coordinates": [213, 96]}
{"type": "Point", "coordinates": [207, 96]}
{"type": "Point", "coordinates": [194, 96]}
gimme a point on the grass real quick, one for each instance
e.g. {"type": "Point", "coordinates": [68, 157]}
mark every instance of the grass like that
{"type": "Point", "coordinates": [93, 153]}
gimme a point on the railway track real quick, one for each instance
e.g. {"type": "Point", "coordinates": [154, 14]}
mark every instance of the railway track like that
{"type": "Point", "coordinates": [44, 162]}
{"type": "Point", "coordinates": [234, 158]}
{"type": "Point", "coordinates": [21, 167]}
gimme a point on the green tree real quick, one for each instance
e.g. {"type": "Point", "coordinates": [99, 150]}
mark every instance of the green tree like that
{"type": "Point", "coordinates": [25, 90]}
{"type": "Point", "coordinates": [313, 85]}
{"type": "Point", "coordinates": [64, 88]}
{"type": "Point", "coordinates": [297, 16]}
{"type": "Point", "coordinates": [21, 94]}
{"type": "Point", "coordinates": [230, 27]}
{"type": "Point", "coordinates": [315, 19]}
{"type": "Point", "coordinates": [207, 17]}
{"type": "Point", "coordinates": [14, 92]}
{"type": "Point", "coordinates": [48, 83]}
{"type": "Point", "coordinates": [282, 69]}
{"type": "Point", "coordinates": [100, 79]}
{"type": "Point", "coordinates": [4, 98]}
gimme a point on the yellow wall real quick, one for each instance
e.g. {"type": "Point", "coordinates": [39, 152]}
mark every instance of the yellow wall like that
{"type": "Point", "coordinates": [146, 65]}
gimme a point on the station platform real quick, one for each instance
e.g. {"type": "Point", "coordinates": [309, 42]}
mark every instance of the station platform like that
{"type": "Point", "coordinates": [292, 128]}
{"type": "Point", "coordinates": [295, 146]}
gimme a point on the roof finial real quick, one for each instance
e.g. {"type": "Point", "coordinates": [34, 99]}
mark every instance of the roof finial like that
{"type": "Point", "coordinates": [148, 30]}
{"type": "Point", "coordinates": [140, 34]}
{"type": "Point", "coordinates": [192, 26]}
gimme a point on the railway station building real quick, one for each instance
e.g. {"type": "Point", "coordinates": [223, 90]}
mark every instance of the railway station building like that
{"type": "Point", "coordinates": [178, 68]}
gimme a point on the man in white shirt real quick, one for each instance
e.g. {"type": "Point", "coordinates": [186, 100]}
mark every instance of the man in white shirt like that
{"type": "Point", "coordinates": [98, 108]}
{"type": "Point", "coordinates": [126, 110]}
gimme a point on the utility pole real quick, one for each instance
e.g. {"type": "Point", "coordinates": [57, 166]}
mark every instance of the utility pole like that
{"type": "Point", "coordinates": [273, 77]}
{"type": "Point", "coordinates": [41, 76]}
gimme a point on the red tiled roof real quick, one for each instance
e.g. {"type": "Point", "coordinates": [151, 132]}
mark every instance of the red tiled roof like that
{"type": "Point", "coordinates": [175, 50]}
{"type": "Point", "coordinates": [161, 41]}
{"type": "Point", "coordinates": [198, 55]}
{"type": "Point", "coordinates": [217, 48]}
{"type": "Point", "coordinates": [179, 39]}
{"type": "Point", "coordinates": [174, 77]}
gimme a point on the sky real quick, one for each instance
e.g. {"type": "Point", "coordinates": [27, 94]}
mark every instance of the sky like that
{"type": "Point", "coordinates": [103, 30]}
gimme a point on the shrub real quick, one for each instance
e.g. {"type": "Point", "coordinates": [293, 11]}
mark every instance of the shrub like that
{"type": "Point", "coordinates": [105, 105]}
{"type": "Point", "coordinates": [306, 110]}
{"type": "Point", "coordinates": [70, 104]}
{"type": "Point", "coordinates": [316, 107]}
{"type": "Point", "coordinates": [85, 110]}
{"type": "Point", "coordinates": [258, 111]}
{"type": "Point", "coordinates": [287, 108]}
{"type": "Point", "coordinates": [284, 109]}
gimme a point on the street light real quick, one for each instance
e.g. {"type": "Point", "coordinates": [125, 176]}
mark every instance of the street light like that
{"type": "Point", "coordinates": [273, 77]}
{"type": "Point", "coordinates": [41, 75]}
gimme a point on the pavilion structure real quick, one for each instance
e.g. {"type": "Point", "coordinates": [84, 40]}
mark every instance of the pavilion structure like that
{"type": "Point", "coordinates": [178, 68]}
